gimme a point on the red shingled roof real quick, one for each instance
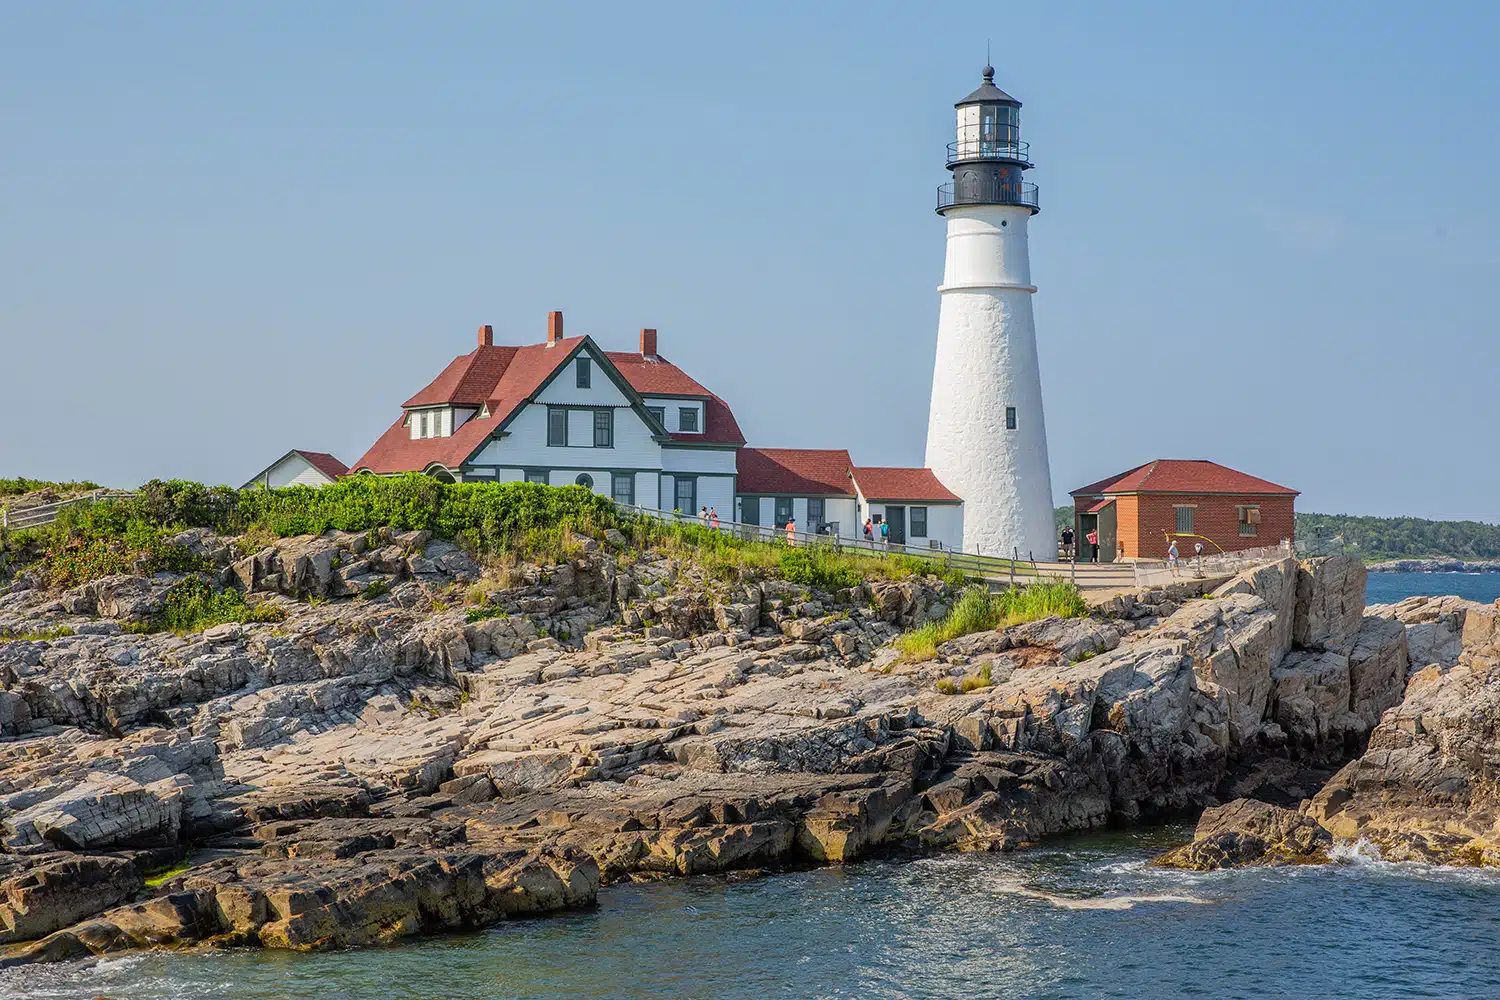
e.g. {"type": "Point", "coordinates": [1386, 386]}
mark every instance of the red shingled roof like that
{"type": "Point", "coordinates": [1180, 475]}
{"type": "Point", "coordinates": [880, 484]}
{"type": "Point", "coordinates": [803, 471]}
{"type": "Point", "coordinates": [324, 463]}
{"type": "Point", "coordinates": [505, 378]}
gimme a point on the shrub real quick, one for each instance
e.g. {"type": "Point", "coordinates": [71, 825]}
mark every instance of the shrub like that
{"type": "Point", "coordinates": [60, 632]}
{"type": "Point", "coordinates": [193, 605]}
{"type": "Point", "coordinates": [374, 589]}
{"type": "Point", "coordinates": [15, 487]}
{"type": "Point", "coordinates": [979, 610]}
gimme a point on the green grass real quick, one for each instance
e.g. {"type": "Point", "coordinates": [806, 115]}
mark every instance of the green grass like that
{"type": "Point", "coordinates": [40, 635]}
{"type": "Point", "coordinates": [731, 558]}
{"type": "Point", "coordinates": [158, 878]}
{"type": "Point", "coordinates": [978, 610]}
{"type": "Point", "coordinates": [484, 612]}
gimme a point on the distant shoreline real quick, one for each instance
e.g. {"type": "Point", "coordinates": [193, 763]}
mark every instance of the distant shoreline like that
{"type": "Point", "coordinates": [1436, 564]}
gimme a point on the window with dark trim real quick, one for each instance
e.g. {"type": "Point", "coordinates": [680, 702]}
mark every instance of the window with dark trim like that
{"type": "Point", "coordinates": [604, 428]}
{"type": "Point", "coordinates": [1010, 418]}
{"type": "Point", "coordinates": [622, 487]}
{"type": "Point", "coordinates": [783, 511]}
{"type": "Point", "coordinates": [814, 513]}
{"type": "Point", "coordinates": [659, 413]}
{"type": "Point", "coordinates": [585, 372]}
{"type": "Point", "coordinates": [687, 419]}
{"type": "Point", "coordinates": [585, 480]}
{"type": "Point", "coordinates": [536, 476]}
{"type": "Point", "coordinates": [686, 492]}
{"type": "Point", "coordinates": [557, 427]}
{"type": "Point", "coordinates": [1184, 520]}
{"type": "Point", "coordinates": [1249, 520]}
{"type": "Point", "coordinates": [918, 521]}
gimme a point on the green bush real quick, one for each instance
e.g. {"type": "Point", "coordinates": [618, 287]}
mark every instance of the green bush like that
{"type": "Point", "coordinates": [193, 605]}
{"type": "Point", "coordinates": [979, 610]}
{"type": "Point", "coordinates": [15, 487]}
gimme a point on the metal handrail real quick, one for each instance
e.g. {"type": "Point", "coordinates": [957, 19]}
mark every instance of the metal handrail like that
{"type": "Point", "coordinates": [981, 148]}
{"type": "Point", "coordinates": [990, 193]}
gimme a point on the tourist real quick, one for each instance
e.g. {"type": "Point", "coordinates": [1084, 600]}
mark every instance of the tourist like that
{"type": "Point", "coordinates": [703, 516]}
{"type": "Point", "coordinates": [1067, 543]}
{"type": "Point", "coordinates": [1172, 554]}
{"type": "Point", "coordinates": [885, 533]}
{"type": "Point", "coordinates": [713, 518]}
{"type": "Point", "coordinates": [1093, 539]}
{"type": "Point", "coordinates": [869, 532]}
{"type": "Point", "coordinates": [791, 531]}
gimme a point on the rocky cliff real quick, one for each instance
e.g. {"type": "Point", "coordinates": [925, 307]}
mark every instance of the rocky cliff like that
{"type": "Point", "coordinates": [387, 761]}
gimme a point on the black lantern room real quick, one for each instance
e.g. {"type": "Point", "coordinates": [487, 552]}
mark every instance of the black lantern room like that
{"type": "Point", "coordinates": [988, 156]}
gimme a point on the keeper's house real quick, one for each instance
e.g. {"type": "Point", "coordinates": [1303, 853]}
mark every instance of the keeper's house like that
{"type": "Point", "coordinates": [635, 427]}
{"type": "Point", "coordinates": [1138, 512]}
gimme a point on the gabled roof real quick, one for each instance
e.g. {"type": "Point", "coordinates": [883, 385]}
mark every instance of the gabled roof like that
{"type": "Point", "coordinates": [320, 460]}
{"type": "Point", "coordinates": [1182, 475]}
{"type": "Point", "coordinates": [802, 471]}
{"type": "Point", "coordinates": [505, 379]}
{"type": "Point", "coordinates": [882, 484]}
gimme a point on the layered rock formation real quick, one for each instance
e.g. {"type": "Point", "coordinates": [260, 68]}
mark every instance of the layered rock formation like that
{"type": "Point", "coordinates": [378, 766]}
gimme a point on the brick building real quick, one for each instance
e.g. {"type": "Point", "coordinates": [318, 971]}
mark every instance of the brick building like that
{"type": "Point", "coordinates": [1138, 512]}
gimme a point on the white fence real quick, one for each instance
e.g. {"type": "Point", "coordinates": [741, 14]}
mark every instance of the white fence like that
{"type": "Point", "coordinates": [1202, 567]}
{"type": "Point", "coordinates": [44, 514]}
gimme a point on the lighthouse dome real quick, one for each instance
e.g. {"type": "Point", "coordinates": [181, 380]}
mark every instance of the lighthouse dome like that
{"type": "Point", "coordinates": [988, 93]}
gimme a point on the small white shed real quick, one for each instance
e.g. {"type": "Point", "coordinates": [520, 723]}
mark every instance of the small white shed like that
{"type": "Point", "coordinates": [300, 468]}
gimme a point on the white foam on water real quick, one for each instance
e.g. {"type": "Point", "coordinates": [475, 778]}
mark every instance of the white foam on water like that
{"type": "Point", "coordinates": [1127, 902]}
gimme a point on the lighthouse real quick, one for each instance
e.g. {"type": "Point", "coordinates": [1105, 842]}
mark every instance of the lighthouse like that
{"type": "Point", "coordinates": [986, 437]}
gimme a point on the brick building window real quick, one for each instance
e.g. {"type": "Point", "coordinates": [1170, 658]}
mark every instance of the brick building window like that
{"type": "Point", "coordinates": [1249, 520]}
{"type": "Point", "coordinates": [1184, 520]}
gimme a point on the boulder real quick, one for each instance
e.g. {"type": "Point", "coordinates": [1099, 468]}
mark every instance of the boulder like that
{"type": "Point", "coordinates": [48, 892]}
{"type": "Point", "coordinates": [1310, 699]}
{"type": "Point", "coordinates": [1377, 669]}
{"type": "Point", "coordinates": [1248, 832]}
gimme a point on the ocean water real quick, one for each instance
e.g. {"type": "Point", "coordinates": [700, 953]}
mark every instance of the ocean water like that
{"type": "Point", "coordinates": [1078, 918]}
{"type": "Point", "coordinates": [1387, 588]}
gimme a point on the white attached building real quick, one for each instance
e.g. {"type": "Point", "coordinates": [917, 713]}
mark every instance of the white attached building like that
{"type": "Point", "coordinates": [916, 507]}
{"type": "Point", "coordinates": [634, 427]}
{"type": "Point", "coordinates": [299, 468]}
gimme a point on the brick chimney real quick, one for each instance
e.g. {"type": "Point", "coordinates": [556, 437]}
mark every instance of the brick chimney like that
{"type": "Point", "coordinates": [554, 328]}
{"type": "Point", "coordinates": [486, 336]}
{"type": "Point", "coordinates": [648, 343]}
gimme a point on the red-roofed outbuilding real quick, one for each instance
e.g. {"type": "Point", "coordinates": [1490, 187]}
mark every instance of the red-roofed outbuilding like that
{"type": "Point", "coordinates": [1138, 512]}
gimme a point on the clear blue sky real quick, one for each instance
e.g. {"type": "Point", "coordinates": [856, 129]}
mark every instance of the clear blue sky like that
{"type": "Point", "coordinates": [1268, 234]}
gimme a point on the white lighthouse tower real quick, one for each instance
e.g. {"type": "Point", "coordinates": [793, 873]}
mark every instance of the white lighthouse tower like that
{"type": "Point", "coordinates": [986, 439]}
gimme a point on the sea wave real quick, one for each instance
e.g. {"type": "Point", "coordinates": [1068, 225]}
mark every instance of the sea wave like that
{"type": "Point", "coordinates": [1123, 902]}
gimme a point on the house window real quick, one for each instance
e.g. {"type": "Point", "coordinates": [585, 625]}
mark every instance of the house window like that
{"type": "Point", "coordinates": [1249, 521]}
{"type": "Point", "coordinates": [687, 494]}
{"type": "Point", "coordinates": [604, 428]}
{"type": "Point", "coordinates": [584, 372]}
{"type": "Point", "coordinates": [658, 413]}
{"type": "Point", "coordinates": [1010, 418]}
{"type": "Point", "coordinates": [918, 522]}
{"type": "Point", "coordinates": [687, 419]}
{"type": "Point", "coordinates": [424, 425]}
{"type": "Point", "coordinates": [622, 487]}
{"type": "Point", "coordinates": [783, 511]}
{"type": "Point", "coordinates": [557, 427]}
{"type": "Point", "coordinates": [750, 510]}
{"type": "Point", "coordinates": [585, 480]}
{"type": "Point", "coordinates": [1184, 520]}
{"type": "Point", "coordinates": [536, 476]}
{"type": "Point", "coordinates": [814, 513]}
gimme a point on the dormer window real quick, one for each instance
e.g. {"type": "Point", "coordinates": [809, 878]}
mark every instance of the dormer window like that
{"type": "Point", "coordinates": [687, 419]}
{"type": "Point", "coordinates": [585, 372]}
{"type": "Point", "coordinates": [429, 423]}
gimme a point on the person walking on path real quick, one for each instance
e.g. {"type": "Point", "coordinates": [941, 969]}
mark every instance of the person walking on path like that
{"type": "Point", "coordinates": [869, 531]}
{"type": "Point", "coordinates": [885, 533]}
{"type": "Point", "coordinates": [1067, 542]}
{"type": "Point", "coordinates": [713, 518]}
{"type": "Point", "coordinates": [1172, 559]}
{"type": "Point", "coordinates": [791, 532]}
